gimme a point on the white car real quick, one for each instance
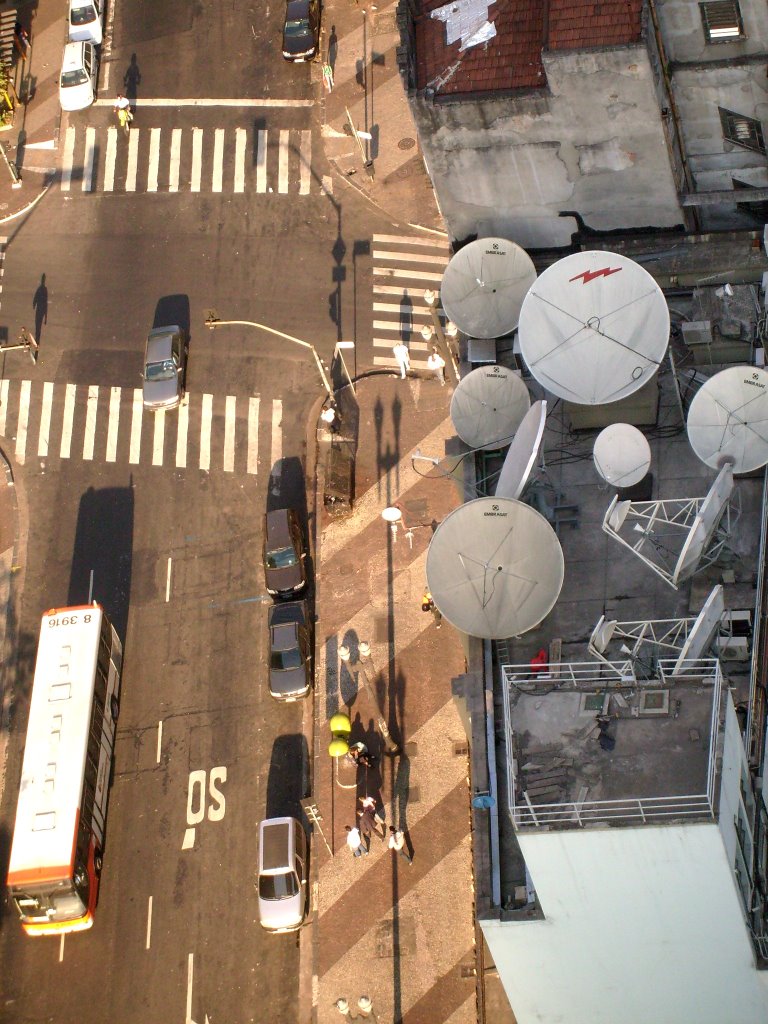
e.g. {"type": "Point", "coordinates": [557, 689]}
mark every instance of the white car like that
{"type": "Point", "coordinates": [77, 85]}
{"type": "Point", "coordinates": [86, 21]}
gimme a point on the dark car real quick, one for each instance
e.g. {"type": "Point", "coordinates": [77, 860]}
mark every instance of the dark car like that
{"type": "Point", "coordinates": [290, 651]}
{"type": "Point", "coordinates": [284, 556]}
{"type": "Point", "coordinates": [301, 30]}
{"type": "Point", "coordinates": [165, 360]}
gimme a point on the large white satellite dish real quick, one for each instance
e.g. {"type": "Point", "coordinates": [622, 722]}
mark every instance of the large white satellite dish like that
{"type": "Point", "coordinates": [703, 630]}
{"type": "Point", "coordinates": [728, 419]}
{"type": "Point", "coordinates": [484, 286]}
{"type": "Point", "coordinates": [705, 524]}
{"type": "Point", "coordinates": [488, 406]}
{"type": "Point", "coordinates": [621, 454]}
{"type": "Point", "coordinates": [594, 328]}
{"type": "Point", "coordinates": [521, 457]}
{"type": "Point", "coordinates": [494, 568]}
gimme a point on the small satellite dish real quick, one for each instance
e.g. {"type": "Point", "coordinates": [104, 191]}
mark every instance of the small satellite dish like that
{"type": "Point", "coordinates": [488, 406]}
{"type": "Point", "coordinates": [622, 455]}
{"type": "Point", "coordinates": [703, 630]}
{"type": "Point", "coordinates": [728, 419]}
{"type": "Point", "coordinates": [594, 328]}
{"type": "Point", "coordinates": [494, 568]}
{"type": "Point", "coordinates": [484, 286]}
{"type": "Point", "coordinates": [704, 525]}
{"type": "Point", "coordinates": [391, 514]}
{"type": "Point", "coordinates": [521, 457]}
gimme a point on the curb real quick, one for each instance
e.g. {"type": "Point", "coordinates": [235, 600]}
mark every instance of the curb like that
{"type": "Point", "coordinates": [27, 208]}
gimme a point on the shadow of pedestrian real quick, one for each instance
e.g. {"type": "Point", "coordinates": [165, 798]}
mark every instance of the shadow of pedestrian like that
{"type": "Point", "coordinates": [132, 81]}
{"type": "Point", "coordinates": [40, 306]}
{"type": "Point", "coordinates": [406, 317]}
{"type": "Point", "coordinates": [333, 48]}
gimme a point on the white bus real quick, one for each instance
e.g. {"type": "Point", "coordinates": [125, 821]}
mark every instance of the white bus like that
{"type": "Point", "coordinates": [53, 874]}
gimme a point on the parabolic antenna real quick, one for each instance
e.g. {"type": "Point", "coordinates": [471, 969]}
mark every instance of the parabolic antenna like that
{"type": "Point", "coordinates": [494, 568]}
{"type": "Point", "coordinates": [488, 406]}
{"type": "Point", "coordinates": [521, 457]}
{"type": "Point", "coordinates": [594, 328]}
{"type": "Point", "coordinates": [704, 525]}
{"type": "Point", "coordinates": [484, 286]}
{"type": "Point", "coordinates": [622, 455]}
{"type": "Point", "coordinates": [703, 630]}
{"type": "Point", "coordinates": [728, 419]}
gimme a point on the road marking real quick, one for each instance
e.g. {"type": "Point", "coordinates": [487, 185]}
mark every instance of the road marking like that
{"type": "Point", "coordinates": [111, 159]}
{"type": "Point", "coordinates": [149, 922]}
{"type": "Point", "coordinates": [90, 587]}
{"type": "Point", "coordinates": [197, 102]}
{"type": "Point", "coordinates": [159, 734]}
{"type": "Point", "coordinates": [253, 435]}
{"type": "Point", "coordinates": [261, 161]}
{"type": "Point", "coordinates": [422, 275]}
{"type": "Point", "coordinates": [173, 174]}
{"type": "Point", "coordinates": [276, 453]}
{"type": "Point", "coordinates": [138, 410]}
{"type": "Point", "coordinates": [282, 162]}
{"type": "Point", "coordinates": [401, 290]}
{"type": "Point", "coordinates": [402, 308]}
{"type": "Point", "coordinates": [90, 153]}
{"type": "Point", "coordinates": [410, 257]}
{"type": "Point", "coordinates": [133, 160]}
{"type": "Point", "coordinates": [114, 421]}
{"type": "Point", "coordinates": [305, 159]}
{"type": "Point", "coordinates": [197, 158]}
{"type": "Point", "coordinates": [168, 582]}
{"type": "Point", "coordinates": [21, 429]}
{"type": "Point", "coordinates": [69, 159]}
{"type": "Point", "coordinates": [154, 159]}
{"type": "Point", "coordinates": [230, 421]}
{"type": "Point", "coordinates": [205, 433]}
{"type": "Point", "coordinates": [181, 435]}
{"type": "Point", "coordinates": [45, 419]}
{"type": "Point", "coordinates": [411, 240]}
{"type": "Point", "coordinates": [3, 404]}
{"type": "Point", "coordinates": [218, 160]}
{"type": "Point", "coordinates": [61, 947]}
{"type": "Point", "coordinates": [241, 138]}
{"type": "Point", "coordinates": [159, 438]}
{"type": "Point", "coordinates": [90, 421]}
{"type": "Point", "coordinates": [66, 421]}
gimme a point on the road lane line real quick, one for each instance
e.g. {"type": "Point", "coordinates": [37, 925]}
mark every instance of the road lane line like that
{"type": "Point", "coordinates": [413, 275]}
{"type": "Point", "coordinates": [175, 166]}
{"type": "Point", "coordinates": [241, 137]}
{"type": "Point", "coordinates": [261, 161]}
{"type": "Point", "coordinates": [68, 160]}
{"type": "Point", "coordinates": [90, 421]}
{"type": "Point", "coordinates": [133, 160]}
{"type": "Point", "coordinates": [134, 453]}
{"type": "Point", "coordinates": [168, 584]}
{"type": "Point", "coordinates": [111, 160]}
{"type": "Point", "coordinates": [205, 433]}
{"type": "Point", "coordinates": [66, 421]}
{"type": "Point", "coordinates": [90, 153]}
{"type": "Point", "coordinates": [410, 257]}
{"type": "Point", "coordinates": [217, 179]}
{"type": "Point", "coordinates": [154, 159]}
{"type": "Point", "coordinates": [230, 421]}
{"type": "Point", "coordinates": [21, 428]}
{"type": "Point", "coordinates": [149, 923]}
{"type": "Point", "coordinates": [61, 947]}
{"type": "Point", "coordinates": [114, 422]}
{"type": "Point", "coordinates": [197, 158]}
{"type": "Point", "coordinates": [253, 435]}
{"type": "Point", "coordinates": [412, 240]}
{"type": "Point", "coordinates": [190, 974]}
{"type": "Point", "coordinates": [282, 162]}
{"type": "Point", "coordinates": [276, 452]}
{"type": "Point", "coordinates": [159, 738]}
{"type": "Point", "coordinates": [181, 435]}
{"type": "Point", "coordinates": [305, 158]}
{"type": "Point", "coordinates": [45, 419]}
{"type": "Point", "coordinates": [159, 438]}
{"type": "Point", "coordinates": [3, 405]}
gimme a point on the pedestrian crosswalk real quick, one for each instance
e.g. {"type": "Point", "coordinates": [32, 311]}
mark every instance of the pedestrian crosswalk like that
{"type": "Point", "coordinates": [404, 268]}
{"type": "Point", "coordinates": [94, 423]}
{"type": "Point", "coordinates": [228, 160]}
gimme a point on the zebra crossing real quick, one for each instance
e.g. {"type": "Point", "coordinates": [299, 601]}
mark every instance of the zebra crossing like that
{"type": "Point", "coordinates": [229, 434]}
{"type": "Point", "coordinates": [151, 160]}
{"type": "Point", "coordinates": [404, 267]}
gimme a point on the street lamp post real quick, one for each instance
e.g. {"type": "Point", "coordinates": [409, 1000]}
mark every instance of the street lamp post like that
{"type": "Point", "coordinates": [367, 678]}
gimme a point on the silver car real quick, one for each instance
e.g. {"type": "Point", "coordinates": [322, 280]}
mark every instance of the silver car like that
{"type": "Point", "coordinates": [283, 874]}
{"type": "Point", "coordinates": [165, 363]}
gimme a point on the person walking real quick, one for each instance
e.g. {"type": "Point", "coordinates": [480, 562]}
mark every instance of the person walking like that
{"type": "Point", "coordinates": [123, 111]}
{"type": "Point", "coordinates": [397, 843]}
{"type": "Point", "coordinates": [436, 363]}
{"type": "Point", "coordinates": [368, 825]}
{"type": "Point", "coordinates": [428, 605]}
{"type": "Point", "coordinates": [369, 803]}
{"type": "Point", "coordinates": [355, 842]}
{"type": "Point", "coordinates": [401, 354]}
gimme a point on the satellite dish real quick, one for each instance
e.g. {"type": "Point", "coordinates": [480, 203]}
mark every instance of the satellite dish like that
{"type": "Point", "coordinates": [594, 328]}
{"type": "Point", "coordinates": [521, 457]}
{"type": "Point", "coordinates": [494, 568]}
{"type": "Point", "coordinates": [602, 634]}
{"type": "Point", "coordinates": [728, 419]}
{"type": "Point", "coordinates": [704, 525]}
{"type": "Point", "coordinates": [703, 630]}
{"type": "Point", "coordinates": [488, 406]}
{"type": "Point", "coordinates": [484, 286]}
{"type": "Point", "coordinates": [622, 455]}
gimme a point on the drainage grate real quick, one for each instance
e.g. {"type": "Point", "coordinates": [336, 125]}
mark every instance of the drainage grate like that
{"type": "Point", "coordinates": [460, 748]}
{"type": "Point", "coordinates": [406, 143]}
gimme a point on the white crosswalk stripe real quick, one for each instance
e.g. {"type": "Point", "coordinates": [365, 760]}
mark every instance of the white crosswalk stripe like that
{"type": "Point", "coordinates": [416, 263]}
{"type": "Point", "coordinates": [109, 424]}
{"type": "Point", "coordinates": [152, 160]}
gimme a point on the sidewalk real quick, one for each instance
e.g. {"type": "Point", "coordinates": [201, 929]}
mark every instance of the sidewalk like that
{"type": "Point", "coordinates": [401, 935]}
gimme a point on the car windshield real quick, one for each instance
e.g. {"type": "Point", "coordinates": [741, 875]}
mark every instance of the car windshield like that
{"type": "Point", "coordinates": [70, 78]}
{"type": "Point", "coordinates": [278, 887]}
{"type": "Point", "coordinates": [282, 661]}
{"type": "Point", "coordinates": [281, 558]}
{"type": "Point", "coordinates": [164, 370]}
{"type": "Point", "coordinates": [82, 15]}
{"type": "Point", "coordinates": [297, 27]}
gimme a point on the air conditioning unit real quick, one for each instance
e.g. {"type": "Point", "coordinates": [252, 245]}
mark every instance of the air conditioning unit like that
{"type": "Point", "coordinates": [697, 332]}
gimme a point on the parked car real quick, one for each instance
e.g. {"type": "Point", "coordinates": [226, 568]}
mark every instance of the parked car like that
{"type": "Point", "coordinates": [301, 30]}
{"type": "Point", "coordinates": [86, 21]}
{"type": "Point", "coordinates": [290, 651]}
{"type": "Point", "coordinates": [284, 553]}
{"type": "Point", "coordinates": [79, 67]}
{"type": "Point", "coordinates": [165, 365]}
{"type": "Point", "coordinates": [282, 882]}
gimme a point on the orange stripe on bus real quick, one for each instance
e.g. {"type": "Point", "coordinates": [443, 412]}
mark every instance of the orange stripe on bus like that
{"type": "Point", "coordinates": [73, 608]}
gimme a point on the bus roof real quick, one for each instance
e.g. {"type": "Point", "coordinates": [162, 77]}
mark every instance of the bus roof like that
{"type": "Point", "coordinates": [56, 745]}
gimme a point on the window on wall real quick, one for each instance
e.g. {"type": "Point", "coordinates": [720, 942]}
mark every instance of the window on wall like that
{"type": "Point", "coordinates": [743, 131]}
{"type": "Point", "coordinates": [722, 21]}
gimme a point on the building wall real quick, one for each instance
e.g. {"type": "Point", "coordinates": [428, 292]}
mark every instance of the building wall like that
{"type": "Point", "coordinates": [684, 38]}
{"type": "Point", "coordinates": [641, 926]}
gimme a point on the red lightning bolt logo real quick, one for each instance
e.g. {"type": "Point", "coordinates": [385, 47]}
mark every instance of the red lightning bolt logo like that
{"type": "Point", "coordinates": [590, 275]}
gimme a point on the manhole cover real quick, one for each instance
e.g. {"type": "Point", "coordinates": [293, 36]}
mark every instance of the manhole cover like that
{"type": "Point", "coordinates": [406, 143]}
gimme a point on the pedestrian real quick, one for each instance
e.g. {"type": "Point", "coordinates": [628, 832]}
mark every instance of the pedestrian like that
{"type": "Point", "coordinates": [401, 354]}
{"type": "Point", "coordinates": [358, 755]}
{"type": "Point", "coordinates": [369, 803]}
{"type": "Point", "coordinates": [436, 363]}
{"type": "Point", "coordinates": [355, 842]}
{"type": "Point", "coordinates": [368, 825]}
{"type": "Point", "coordinates": [428, 605]}
{"type": "Point", "coordinates": [330, 416]}
{"type": "Point", "coordinates": [397, 843]}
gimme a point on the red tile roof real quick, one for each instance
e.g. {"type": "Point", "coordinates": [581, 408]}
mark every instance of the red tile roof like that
{"type": "Point", "coordinates": [583, 24]}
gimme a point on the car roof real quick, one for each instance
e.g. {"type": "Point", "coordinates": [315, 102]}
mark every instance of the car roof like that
{"type": "Point", "coordinates": [285, 637]}
{"type": "Point", "coordinates": [159, 343]}
{"type": "Point", "coordinates": [275, 844]}
{"type": "Point", "coordinates": [288, 611]}
{"type": "Point", "coordinates": [73, 56]}
{"type": "Point", "coordinates": [277, 526]}
{"type": "Point", "coordinates": [297, 8]}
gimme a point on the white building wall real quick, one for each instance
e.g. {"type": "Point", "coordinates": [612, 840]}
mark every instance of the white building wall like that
{"type": "Point", "coordinates": [683, 31]}
{"type": "Point", "coordinates": [641, 926]}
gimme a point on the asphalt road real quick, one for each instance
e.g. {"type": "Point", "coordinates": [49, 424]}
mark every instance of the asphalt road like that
{"type": "Point", "coordinates": [165, 513]}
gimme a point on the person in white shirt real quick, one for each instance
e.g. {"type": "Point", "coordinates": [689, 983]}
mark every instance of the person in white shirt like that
{"type": "Point", "coordinates": [397, 843]}
{"type": "Point", "coordinates": [355, 842]}
{"type": "Point", "coordinates": [401, 354]}
{"type": "Point", "coordinates": [436, 363]}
